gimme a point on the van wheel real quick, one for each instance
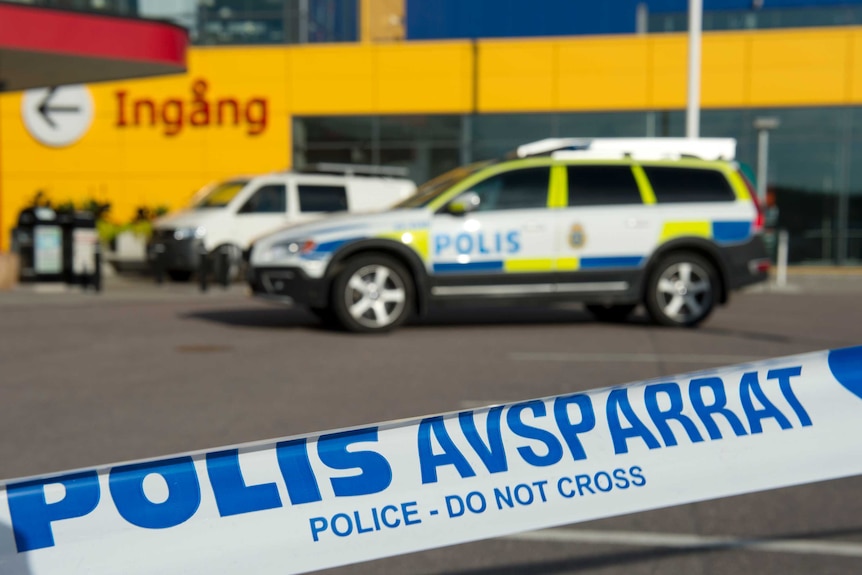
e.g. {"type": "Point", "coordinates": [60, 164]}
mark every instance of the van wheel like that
{"type": "Point", "coordinates": [611, 313]}
{"type": "Point", "coordinates": [372, 294]}
{"type": "Point", "coordinates": [682, 290]}
{"type": "Point", "coordinates": [233, 259]}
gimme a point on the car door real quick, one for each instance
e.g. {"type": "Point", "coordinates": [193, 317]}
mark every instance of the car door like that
{"type": "Point", "coordinates": [506, 242]}
{"type": "Point", "coordinates": [606, 230]}
{"type": "Point", "coordinates": [264, 210]}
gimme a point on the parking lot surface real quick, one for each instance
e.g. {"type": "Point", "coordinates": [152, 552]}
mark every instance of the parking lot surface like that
{"type": "Point", "coordinates": [141, 371]}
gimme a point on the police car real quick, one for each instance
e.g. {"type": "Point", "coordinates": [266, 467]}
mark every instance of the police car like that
{"type": "Point", "coordinates": [669, 223]}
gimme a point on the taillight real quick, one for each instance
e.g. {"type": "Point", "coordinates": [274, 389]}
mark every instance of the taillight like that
{"type": "Point", "coordinates": [760, 219]}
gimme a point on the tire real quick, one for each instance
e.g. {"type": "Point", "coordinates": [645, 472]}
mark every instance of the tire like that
{"type": "Point", "coordinates": [234, 262]}
{"type": "Point", "coordinates": [611, 313]}
{"type": "Point", "coordinates": [179, 275]}
{"type": "Point", "coordinates": [372, 294]}
{"type": "Point", "coordinates": [682, 290]}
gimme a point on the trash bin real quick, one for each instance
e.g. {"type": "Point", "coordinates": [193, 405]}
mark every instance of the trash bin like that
{"type": "Point", "coordinates": [57, 247]}
{"type": "Point", "coordinates": [81, 254]}
{"type": "Point", "coordinates": [38, 239]}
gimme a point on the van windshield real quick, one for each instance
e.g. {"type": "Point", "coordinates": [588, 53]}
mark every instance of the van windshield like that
{"type": "Point", "coordinates": [430, 190]}
{"type": "Point", "coordinates": [220, 195]}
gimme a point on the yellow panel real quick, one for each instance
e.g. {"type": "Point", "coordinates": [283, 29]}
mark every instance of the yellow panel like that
{"type": "Point", "coordinates": [672, 230]}
{"type": "Point", "coordinates": [799, 68]}
{"type": "Point", "coordinates": [416, 239]}
{"type": "Point", "coordinates": [526, 265]}
{"type": "Point", "coordinates": [725, 65]}
{"type": "Point", "coordinates": [602, 73]}
{"type": "Point", "coordinates": [228, 115]}
{"type": "Point", "coordinates": [332, 79]}
{"type": "Point", "coordinates": [568, 264]}
{"type": "Point", "coordinates": [647, 193]}
{"type": "Point", "coordinates": [516, 75]}
{"type": "Point", "coordinates": [669, 76]}
{"type": "Point", "coordinates": [424, 77]}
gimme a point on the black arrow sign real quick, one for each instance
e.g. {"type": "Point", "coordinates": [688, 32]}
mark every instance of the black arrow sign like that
{"type": "Point", "coordinates": [45, 108]}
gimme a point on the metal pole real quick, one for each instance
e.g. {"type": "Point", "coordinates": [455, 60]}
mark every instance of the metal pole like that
{"type": "Point", "coordinates": [303, 22]}
{"type": "Point", "coordinates": [781, 275]}
{"type": "Point", "coordinates": [642, 18]}
{"type": "Point", "coordinates": [762, 164]}
{"type": "Point", "coordinates": [692, 113]}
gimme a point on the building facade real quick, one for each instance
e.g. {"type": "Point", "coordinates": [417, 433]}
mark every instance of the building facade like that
{"type": "Point", "coordinates": [429, 86]}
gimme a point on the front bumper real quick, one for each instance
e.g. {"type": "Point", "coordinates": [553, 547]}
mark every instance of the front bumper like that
{"type": "Point", "coordinates": [179, 255]}
{"type": "Point", "coordinates": [288, 285]}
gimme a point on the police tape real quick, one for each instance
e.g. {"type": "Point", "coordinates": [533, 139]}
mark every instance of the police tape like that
{"type": "Point", "coordinates": [310, 502]}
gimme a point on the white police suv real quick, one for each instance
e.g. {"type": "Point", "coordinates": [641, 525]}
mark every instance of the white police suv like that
{"type": "Point", "coordinates": [670, 223]}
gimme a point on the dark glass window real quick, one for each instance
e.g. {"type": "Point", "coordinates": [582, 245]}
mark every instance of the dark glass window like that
{"type": "Point", "coordinates": [518, 189]}
{"type": "Point", "coordinates": [322, 198]}
{"type": "Point", "coordinates": [689, 185]}
{"type": "Point", "coordinates": [602, 185]}
{"type": "Point", "coordinates": [269, 199]}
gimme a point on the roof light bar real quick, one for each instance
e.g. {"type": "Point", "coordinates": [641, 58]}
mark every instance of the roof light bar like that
{"type": "Point", "coordinates": [634, 148]}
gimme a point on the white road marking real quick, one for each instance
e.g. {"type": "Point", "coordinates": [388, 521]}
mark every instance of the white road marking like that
{"type": "Point", "coordinates": [683, 541]}
{"type": "Point", "coordinates": [633, 357]}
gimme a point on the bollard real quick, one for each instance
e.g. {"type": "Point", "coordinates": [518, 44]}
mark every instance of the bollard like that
{"type": "Point", "coordinates": [224, 267]}
{"type": "Point", "coordinates": [97, 271]}
{"type": "Point", "coordinates": [203, 270]}
{"type": "Point", "coordinates": [159, 264]}
{"type": "Point", "coordinates": [781, 258]}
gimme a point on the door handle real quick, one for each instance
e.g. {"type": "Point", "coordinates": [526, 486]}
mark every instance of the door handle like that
{"type": "Point", "coordinates": [636, 223]}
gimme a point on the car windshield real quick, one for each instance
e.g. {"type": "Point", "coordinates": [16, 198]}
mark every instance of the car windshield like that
{"type": "Point", "coordinates": [430, 190]}
{"type": "Point", "coordinates": [220, 195]}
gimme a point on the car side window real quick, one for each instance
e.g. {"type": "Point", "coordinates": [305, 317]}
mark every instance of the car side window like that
{"type": "Point", "coordinates": [268, 199]}
{"type": "Point", "coordinates": [513, 190]}
{"type": "Point", "coordinates": [688, 185]}
{"type": "Point", "coordinates": [602, 186]}
{"type": "Point", "coordinates": [322, 198]}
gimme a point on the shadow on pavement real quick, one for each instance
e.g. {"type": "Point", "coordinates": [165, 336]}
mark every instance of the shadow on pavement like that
{"type": "Point", "coordinates": [284, 318]}
{"type": "Point", "coordinates": [11, 562]}
{"type": "Point", "coordinates": [267, 318]}
{"type": "Point", "coordinates": [600, 560]}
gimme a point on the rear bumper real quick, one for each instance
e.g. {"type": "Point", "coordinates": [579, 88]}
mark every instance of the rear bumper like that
{"type": "Point", "coordinates": [288, 285]}
{"type": "Point", "coordinates": [747, 263]}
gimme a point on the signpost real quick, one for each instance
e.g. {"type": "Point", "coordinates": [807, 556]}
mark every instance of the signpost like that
{"type": "Point", "coordinates": [57, 116]}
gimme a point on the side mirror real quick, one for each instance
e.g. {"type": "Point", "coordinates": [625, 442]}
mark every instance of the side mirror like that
{"type": "Point", "coordinates": [464, 204]}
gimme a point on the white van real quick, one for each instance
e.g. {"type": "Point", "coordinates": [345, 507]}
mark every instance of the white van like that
{"type": "Point", "coordinates": [227, 216]}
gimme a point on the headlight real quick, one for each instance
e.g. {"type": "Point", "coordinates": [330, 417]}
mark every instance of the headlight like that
{"type": "Point", "coordinates": [286, 250]}
{"type": "Point", "coordinates": [188, 233]}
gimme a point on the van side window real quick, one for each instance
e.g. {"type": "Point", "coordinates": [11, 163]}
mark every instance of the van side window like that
{"type": "Point", "coordinates": [322, 198]}
{"type": "Point", "coordinates": [514, 190]}
{"type": "Point", "coordinates": [268, 199]}
{"type": "Point", "coordinates": [602, 186]}
{"type": "Point", "coordinates": [688, 185]}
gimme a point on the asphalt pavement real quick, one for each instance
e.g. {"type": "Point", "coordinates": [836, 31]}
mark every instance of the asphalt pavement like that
{"type": "Point", "coordinates": [142, 371]}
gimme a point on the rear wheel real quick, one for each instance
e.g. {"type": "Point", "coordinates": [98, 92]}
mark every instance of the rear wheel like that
{"type": "Point", "coordinates": [372, 294]}
{"type": "Point", "coordinates": [611, 313]}
{"type": "Point", "coordinates": [682, 290]}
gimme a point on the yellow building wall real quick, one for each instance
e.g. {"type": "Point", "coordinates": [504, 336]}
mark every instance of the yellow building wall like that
{"type": "Point", "coordinates": [150, 164]}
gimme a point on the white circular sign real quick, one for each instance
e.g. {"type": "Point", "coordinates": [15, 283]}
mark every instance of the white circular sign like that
{"type": "Point", "coordinates": [57, 116]}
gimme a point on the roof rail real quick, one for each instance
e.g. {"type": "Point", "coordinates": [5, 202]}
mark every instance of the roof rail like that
{"type": "Point", "coordinates": [633, 148]}
{"type": "Point", "coordinates": [357, 170]}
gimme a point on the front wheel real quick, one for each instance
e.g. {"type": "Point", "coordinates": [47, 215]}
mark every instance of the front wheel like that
{"type": "Point", "coordinates": [682, 290]}
{"type": "Point", "coordinates": [372, 294]}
